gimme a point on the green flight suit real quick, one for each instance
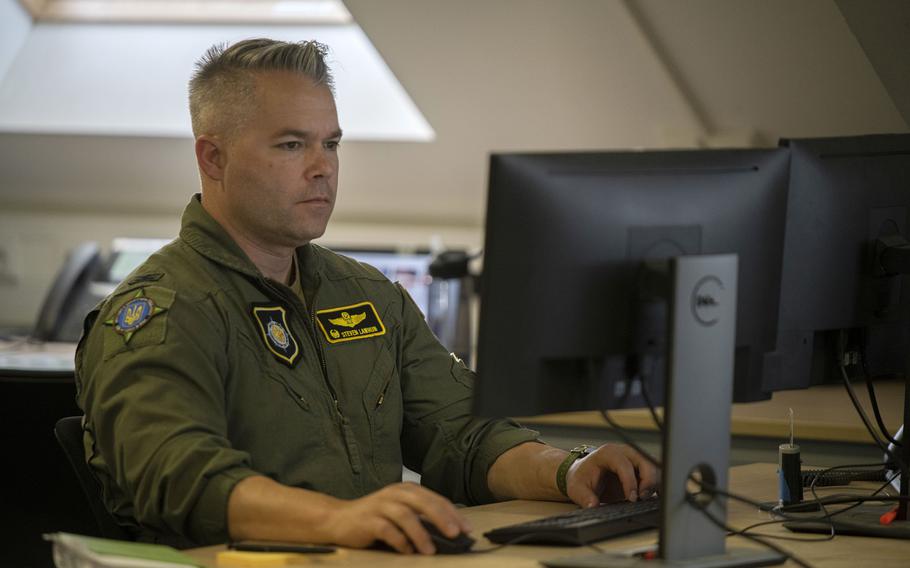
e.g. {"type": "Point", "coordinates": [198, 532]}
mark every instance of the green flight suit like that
{"type": "Point", "coordinates": [198, 372]}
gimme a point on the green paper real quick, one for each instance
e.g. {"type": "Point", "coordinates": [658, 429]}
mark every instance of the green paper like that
{"type": "Point", "coordinates": [144, 551]}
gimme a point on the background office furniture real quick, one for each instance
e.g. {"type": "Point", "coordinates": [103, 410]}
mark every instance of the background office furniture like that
{"type": "Point", "coordinates": [827, 426]}
{"type": "Point", "coordinates": [38, 494]}
{"type": "Point", "coordinates": [69, 434]}
{"type": "Point", "coordinates": [71, 296]}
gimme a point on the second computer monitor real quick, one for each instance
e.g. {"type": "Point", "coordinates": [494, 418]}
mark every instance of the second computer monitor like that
{"type": "Point", "coordinates": [849, 197]}
{"type": "Point", "coordinates": [567, 309]}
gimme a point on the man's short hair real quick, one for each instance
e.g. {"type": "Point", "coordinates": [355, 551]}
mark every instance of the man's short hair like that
{"type": "Point", "coordinates": [224, 82]}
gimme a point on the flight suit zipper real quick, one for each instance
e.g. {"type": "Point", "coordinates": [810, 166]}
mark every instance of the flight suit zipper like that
{"type": "Point", "coordinates": [321, 354]}
{"type": "Point", "coordinates": [343, 423]}
{"type": "Point", "coordinates": [382, 392]}
{"type": "Point", "coordinates": [314, 339]}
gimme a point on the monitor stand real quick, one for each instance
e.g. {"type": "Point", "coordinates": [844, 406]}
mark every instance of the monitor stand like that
{"type": "Point", "coordinates": [696, 434]}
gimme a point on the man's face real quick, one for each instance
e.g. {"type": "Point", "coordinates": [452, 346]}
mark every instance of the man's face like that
{"type": "Point", "coordinates": [281, 165]}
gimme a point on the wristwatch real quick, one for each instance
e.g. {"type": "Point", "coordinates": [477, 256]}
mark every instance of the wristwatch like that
{"type": "Point", "coordinates": [575, 454]}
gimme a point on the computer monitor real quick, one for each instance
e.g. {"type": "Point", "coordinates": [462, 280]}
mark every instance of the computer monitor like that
{"type": "Point", "coordinates": [617, 279]}
{"type": "Point", "coordinates": [410, 269]}
{"type": "Point", "coordinates": [128, 254]}
{"type": "Point", "coordinates": [562, 324]}
{"type": "Point", "coordinates": [845, 291]}
{"type": "Point", "coordinates": [847, 197]}
{"type": "Point", "coordinates": [444, 301]}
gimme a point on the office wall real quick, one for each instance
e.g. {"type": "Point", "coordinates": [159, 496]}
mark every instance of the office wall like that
{"type": "Point", "coordinates": [38, 243]}
{"type": "Point", "coordinates": [489, 76]}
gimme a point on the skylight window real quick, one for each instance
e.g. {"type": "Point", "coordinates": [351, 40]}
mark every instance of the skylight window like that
{"type": "Point", "coordinates": [298, 12]}
{"type": "Point", "coordinates": [124, 65]}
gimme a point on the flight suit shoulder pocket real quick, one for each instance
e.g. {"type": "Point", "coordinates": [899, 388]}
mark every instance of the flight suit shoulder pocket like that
{"type": "Point", "coordinates": [136, 318]}
{"type": "Point", "coordinates": [461, 373]}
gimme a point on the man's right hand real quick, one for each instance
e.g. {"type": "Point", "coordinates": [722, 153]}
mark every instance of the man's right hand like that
{"type": "Point", "coordinates": [391, 515]}
{"type": "Point", "coordinates": [259, 508]}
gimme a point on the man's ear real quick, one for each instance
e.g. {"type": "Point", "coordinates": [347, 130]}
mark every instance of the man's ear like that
{"type": "Point", "coordinates": [210, 156]}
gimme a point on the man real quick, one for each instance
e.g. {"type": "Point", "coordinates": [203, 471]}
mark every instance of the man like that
{"type": "Point", "coordinates": [244, 383]}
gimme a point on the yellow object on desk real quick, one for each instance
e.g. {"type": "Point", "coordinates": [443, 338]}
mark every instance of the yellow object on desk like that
{"type": "Point", "coordinates": [241, 559]}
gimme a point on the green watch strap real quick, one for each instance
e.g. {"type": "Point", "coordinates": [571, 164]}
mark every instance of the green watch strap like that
{"type": "Point", "coordinates": [574, 454]}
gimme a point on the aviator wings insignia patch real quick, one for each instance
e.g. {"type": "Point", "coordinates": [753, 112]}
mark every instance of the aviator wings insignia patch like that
{"type": "Point", "coordinates": [347, 323]}
{"type": "Point", "coordinates": [276, 333]}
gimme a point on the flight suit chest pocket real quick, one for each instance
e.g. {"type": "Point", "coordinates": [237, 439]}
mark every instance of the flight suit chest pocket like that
{"type": "Point", "coordinates": [278, 407]}
{"type": "Point", "coordinates": [382, 402]}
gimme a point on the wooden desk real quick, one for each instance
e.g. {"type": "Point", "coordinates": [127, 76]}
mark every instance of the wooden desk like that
{"type": "Point", "coordinates": [822, 412]}
{"type": "Point", "coordinates": [26, 361]}
{"type": "Point", "coordinates": [40, 494]}
{"type": "Point", "coordinates": [759, 481]}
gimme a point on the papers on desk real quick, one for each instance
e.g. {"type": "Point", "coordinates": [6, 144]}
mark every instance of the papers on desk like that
{"type": "Point", "coordinates": [37, 361]}
{"type": "Point", "coordinates": [71, 551]}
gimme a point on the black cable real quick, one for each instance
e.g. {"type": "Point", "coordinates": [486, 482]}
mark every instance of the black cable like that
{"type": "Point", "coordinates": [742, 532]}
{"type": "Point", "coordinates": [872, 398]}
{"type": "Point", "coordinates": [821, 504]}
{"type": "Point", "coordinates": [798, 539]}
{"type": "Point", "coordinates": [840, 500]}
{"type": "Point", "coordinates": [865, 419]}
{"type": "Point", "coordinates": [651, 409]}
{"type": "Point", "coordinates": [621, 432]}
{"type": "Point", "coordinates": [525, 537]}
{"type": "Point", "coordinates": [856, 502]}
{"type": "Point", "coordinates": [875, 410]}
{"type": "Point", "coordinates": [723, 526]}
{"type": "Point", "coordinates": [843, 500]}
{"type": "Point", "coordinates": [689, 497]}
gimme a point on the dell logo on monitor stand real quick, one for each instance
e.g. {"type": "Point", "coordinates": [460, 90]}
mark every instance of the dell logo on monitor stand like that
{"type": "Point", "coordinates": [705, 300]}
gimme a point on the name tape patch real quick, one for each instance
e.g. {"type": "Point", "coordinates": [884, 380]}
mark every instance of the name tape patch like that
{"type": "Point", "coordinates": [277, 333]}
{"type": "Point", "coordinates": [348, 323]}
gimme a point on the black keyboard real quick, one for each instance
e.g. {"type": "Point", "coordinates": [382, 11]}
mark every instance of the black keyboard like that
{"type": "Point", "coordinates": [582, 526]}
{"type": "Point", "coordinates": [841, 476]}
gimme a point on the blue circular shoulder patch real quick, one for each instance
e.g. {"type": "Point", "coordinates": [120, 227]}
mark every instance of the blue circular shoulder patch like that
{"type": "Point", "coordinates": [133, 315]}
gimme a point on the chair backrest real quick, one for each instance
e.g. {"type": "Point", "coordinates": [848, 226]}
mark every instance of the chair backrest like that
{"type": "Point", "coordinates": [69, 434]}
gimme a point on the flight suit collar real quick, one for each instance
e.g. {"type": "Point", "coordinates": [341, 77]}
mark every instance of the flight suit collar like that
{"type": "Point", "coordinates": [207, 237]}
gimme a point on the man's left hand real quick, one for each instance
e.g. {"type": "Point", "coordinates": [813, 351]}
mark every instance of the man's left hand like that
{"type": "Point", "coordinates": [611, 473]}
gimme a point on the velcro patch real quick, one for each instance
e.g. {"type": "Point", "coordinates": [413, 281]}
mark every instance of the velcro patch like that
{"type": "Point", "coordinates": [276, 333]}
{"type": "Point", "coordinates": [134, 314]}
{"type": "Point", "coordinates": [347, 323]}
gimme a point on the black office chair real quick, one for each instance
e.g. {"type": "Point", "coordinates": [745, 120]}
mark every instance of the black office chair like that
{"type": "Point", "coordinates": [69, 434]}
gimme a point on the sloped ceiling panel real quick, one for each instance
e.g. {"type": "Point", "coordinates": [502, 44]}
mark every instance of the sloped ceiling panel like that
{"type": "Point", "coordinates": [883, 30]}
{"type": "Point", "coordinates": [789, 69]}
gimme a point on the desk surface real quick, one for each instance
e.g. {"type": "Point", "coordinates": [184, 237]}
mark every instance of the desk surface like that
{"type": "Point", "coordinates": [759, 481]}
{"type": "Point", "coordinates": [822, 412]}
{"type": "Point", "coordinates": [23, 359]}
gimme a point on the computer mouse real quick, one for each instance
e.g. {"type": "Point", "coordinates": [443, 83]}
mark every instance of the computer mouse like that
{"type": "Point", "coordinates": [445, 545]}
